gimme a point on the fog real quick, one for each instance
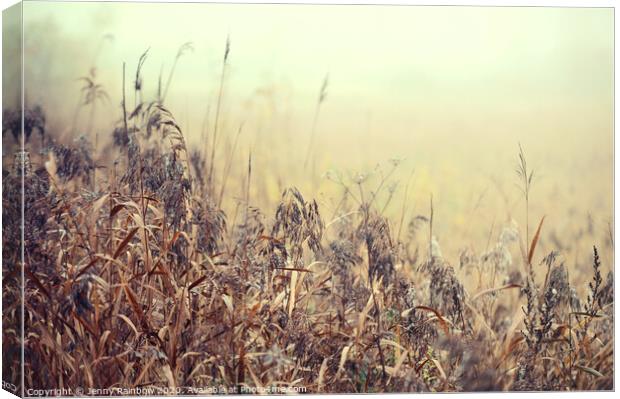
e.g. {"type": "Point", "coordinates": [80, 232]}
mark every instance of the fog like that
{"type": "Point", "coordinates": [452, 90]}
{"type": "Point", "coordinates": [402, 70]}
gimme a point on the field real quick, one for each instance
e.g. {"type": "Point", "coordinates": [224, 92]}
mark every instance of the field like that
{"type": "Point", "coordinates": [213, 262]}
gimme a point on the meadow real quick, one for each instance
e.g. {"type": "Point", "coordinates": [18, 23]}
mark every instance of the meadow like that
{"type": "Point", "coordinates": [152, 261]}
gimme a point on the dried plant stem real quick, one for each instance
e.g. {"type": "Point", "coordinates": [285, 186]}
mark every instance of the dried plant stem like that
{"type": "Point", "coordinates": [525, 175]}
{"type": "Point", "coordinates": [228, 166]}
{"type": "Point", "coordinates": [430, 228]}
{"type": "Point", "coordinates": [124, 104]}
{"type": "Point", "coordinates": [143, 203]}
{"type": "Point", "coordinates": [317, 110]}
{"type": "Point", "coordinates": [184, 47]}
{"type": "Point", "coordinates": [315, 119]}
{"type": "Point", "coordinates": [217, 115]}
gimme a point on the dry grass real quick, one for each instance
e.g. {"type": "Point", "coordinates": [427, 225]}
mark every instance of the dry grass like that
{"type": "Point", "coordinates": [144, 281]}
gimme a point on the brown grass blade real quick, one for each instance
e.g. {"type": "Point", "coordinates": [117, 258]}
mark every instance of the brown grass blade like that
{"type": "Point", "coordinates": [124, 243]}
{"type": "Point", "coordinates": [490, 290]}
{"type": "Point", "coordinates": [590, 370]}
{"type": "Point", "coordinates": [530, 254]}
{"type": "Point", "coordinates": [442, 321]}
{"type": "Point", "coordinates": [294, 269]}
{"type": "Point", "coordinates": [38, 283]}
{"type": "Point", "coordinates": [116, 209]}
{"type": "Point", "coordinates": [195, 283]}
{"type": "Point", "coordinates": [88, 266]}
{"type": "Point", "coordinates": [129, 323]}
{"type": "Point", "coordinates": [135, 305]}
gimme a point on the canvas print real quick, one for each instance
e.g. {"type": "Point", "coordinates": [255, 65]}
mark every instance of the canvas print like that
{"type": "Point", "coordinates": [204, 199]}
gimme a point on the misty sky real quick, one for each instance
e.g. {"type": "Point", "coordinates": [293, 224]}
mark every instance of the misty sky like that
{"type": "Point", "coordinates": [409, 76]}
{"type": "Point", "coordinates": [409, 62]}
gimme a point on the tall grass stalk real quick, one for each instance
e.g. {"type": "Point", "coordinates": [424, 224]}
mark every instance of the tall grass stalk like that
{"type": "Point", "coordinates": [317, 110]}
{"type": "Point", "coordinates": [525, 183]}
{"type": "Point", "coordinates": [217, 114]}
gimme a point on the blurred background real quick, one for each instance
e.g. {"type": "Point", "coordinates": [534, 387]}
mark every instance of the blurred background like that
{"type": "Point", "coordinates": [447, 93]}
